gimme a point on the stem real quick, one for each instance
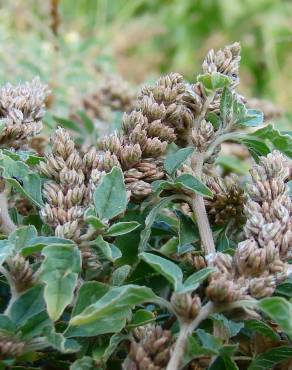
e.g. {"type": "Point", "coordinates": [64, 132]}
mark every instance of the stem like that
{"type": "Point", "coordinates": [6, 224]}
{"type": "Point", "coordinates": [220, 139]}
{"type": "Point", "coordinates": [203, 112]}
{"type": "Point", "coordinates": [199, 209]}
{"type": "Point", "coordinates": [13, 291]}
{"type": "Point", "coordinates": [185, 330]}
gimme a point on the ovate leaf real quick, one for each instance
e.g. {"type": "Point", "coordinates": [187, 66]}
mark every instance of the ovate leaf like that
{"type": "Point", "coordinates": [214, 80]}
{"type": "Point", "coordinates": [59, 272]}
{"type": "Point", "coordinates": [166, 268]}
{"type": "Point", "coordinates": [279, 310]}
{"type": "Point", "coordinates": [27, 305]}
{"type": "Point", "coordinates": [6, 250]}
{"type": "Point", "coordinates": [174, 160]}
{"type": "Point", "coordinates": [275, 139]}
{"type": "Point", "coordinates": [194, 280]}
{"type": "Point", "coordinates": [145, 234]}
{"type": "Point", "coordinates": [141, 317]}
{"type": "Point", "coordinates": [262, 328]}
{"type": "Point", "coordinates": [122, 228]}
{"type": "Point", "coordinates": [269, 359]}
{"type": "Point", "coordinates": [59, 342]}
{"type": "Point", "coordinates": [116, 300]}
{"type": "Point", "coordinates": [194, 185]}
{"type": "Point", "coordinates": [21, 236]}
{"type": "Point", "coordinates": [84, 363]}
{"type": "Point", "coordinates": [120, 275]}
{"type": "Point", "coordinates": [110, 251]}
{"type": "Point", "coordinates": [110, 197]}
{"type": "Point", "coordinates": [232, 327]}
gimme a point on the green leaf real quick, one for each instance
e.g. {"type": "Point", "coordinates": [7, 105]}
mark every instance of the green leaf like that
{"type": "Point", "coordinates": [262, 328]}
{"type": "Point", "coordinates": [110, 197]}
{"type": "Point", "coordinates": [214, 80]}
{"type": "Point", "coordinates": [285, 288]}
{"type": "Point", "coordinates": [232, 327]}
{"type": "Point", "coordinates": [145, 234]}
{"type": "Point", "coordinates": [88, 123]}
{"type": "Point", "coordinates": [59, 272]}
{"type": "Point", "coordinates": [233, 163]}
{"type": "Point", "coordinates": [120, 275]}
{"type": "Point", "coordinates": [122, 228]}
{"type": "Point", "coordinates": [115, 340]}
{"type": "Point", "coordinates": [166, 268]}
{"type": "Point", "coordinates": [223, 363]}
{"type": "Point", "coordinates": [67, 123]}
{"type": "Point", "coordinates": [255, 146]}
{"type": "Point", "coordinates": [35, 325]}
{"type": "Point", "coordinates": [35, 245]}
{"type": "Point", "coordinates": [141, 317]}
{"type": "Point", "coordinates": [194, 280]}
{"type": "Point", "coordinates": [19, 176]}
{"type": "Point", "coordinates": [279, 310]}
{"type": "Point", "coordinates": [117, 299]}
{"type": "Point", "coordinates": [6, 325]}
{"type": "Point", "coordinates": [174, 160]}
{"type": "Point", "coordinates": [253, 118]}
{"type": "Point", "coordinates": [59, 342]}
{"type": "Point", "coordinates": [274, 139]}
{"type": "Point", "coordinates": [110, 251]}
{"type": "Point", "coordinates": [104, 325]}
{"type": "Point", "coordinates": [93, 220]}
{"type": "Point", "coordinates": [170, 247]}
{"type": "Point", "coordinates": [210, 342]}
{"type": "Point", "coordinates": [84, 363]}
{"type": "Point", "coordinates": [215, 119]}
{"type": "Point", "coordinates": [269, 359]}
{"type": "Point", "coordinates": [27, 305]}
{"type": "Point", "coordinates": [226, 103]}
{"type": "Point", "coordinates": [188, 233]}
{"type": "Point", "coordinates": [193, 184]}
{"type": "Point", "coordinates": [21, 236]}
{"type": "Point", "coordinates": [89, 293]}
{"type": "Point", "coordinates": [6, 250]}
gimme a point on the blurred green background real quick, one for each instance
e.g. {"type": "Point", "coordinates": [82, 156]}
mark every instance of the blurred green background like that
{"type": "Point", "coordinates": [70, 44]}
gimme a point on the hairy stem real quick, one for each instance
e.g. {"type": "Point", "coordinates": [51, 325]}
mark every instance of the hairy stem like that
{"type": "Point", "coordinates": [6, 224]}
{"type": "Point", "coordinates": [199, 209]}
{"type": "Point", "coordinates": [232, 136]}
{"type": "Point", "coordinates": [185, 330]}
{"type": "Point", "coordinates": [13, 291]}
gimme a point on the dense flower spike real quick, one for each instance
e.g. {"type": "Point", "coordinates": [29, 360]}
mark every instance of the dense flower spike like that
{"type": "Point", "coordinates": [226, 206]}
{"type": "Point", "coordinates": [259, 263]}
{"type": "Point", "coordinates": [20, 272]}
{"type": "Point", "coordinates": [225, 61]}
{"type": "Point", "coordinates": [113, 94]}
{"type": "Point", "coordinates": [21, 112]}
{"type": "Point", "coordinates": [160, 118]}
{"type": "Point", "coordinates": [269, 208]}
{"type": "Point", "coordinates": [150, 349]}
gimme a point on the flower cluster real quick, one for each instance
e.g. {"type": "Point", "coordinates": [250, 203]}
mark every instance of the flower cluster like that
{"type": "Point", "coordinates": [150, 349]}
{"type": "Point", "coordinates": [259, 262]}
{"type": "Point", "coordinates": [21, 112]}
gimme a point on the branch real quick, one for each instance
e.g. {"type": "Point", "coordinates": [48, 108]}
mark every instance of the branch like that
{"type": "Point", "coordinates": [185, 330]}
{"type": "Point", "coordinates": [199, 209]}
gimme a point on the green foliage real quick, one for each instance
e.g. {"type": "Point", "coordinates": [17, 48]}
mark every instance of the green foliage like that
{"type": "Point", "coordinates": [59, 273]}
{"type": "Point", "coordinates": [89, 264]}
{"type": "Point", "coordinates": [174, 160]}
{"type": "Point", "coordinates": [110, 196]}
{"type": "Point", "coordinates": [279, 310]}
